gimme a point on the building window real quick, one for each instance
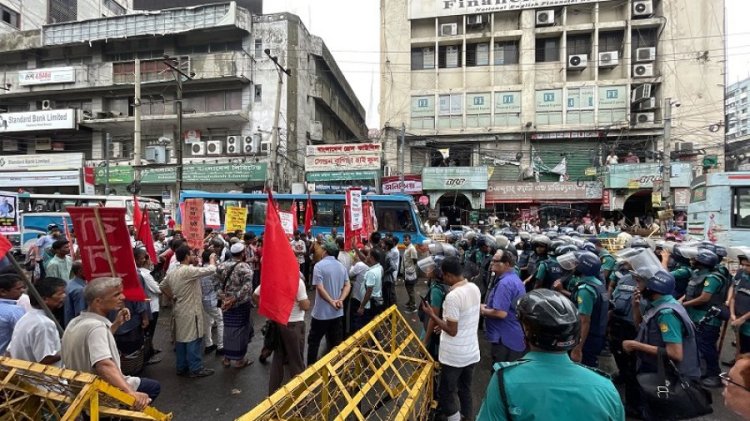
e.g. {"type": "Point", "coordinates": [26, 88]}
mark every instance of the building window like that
{"type": "Point", "coordinates": [613, 104]}
{"type": "Point", "coordinates": [547, 50]}
{"type": "Point", "coordinates": [506, 52]}
{"type": "Point", "coordinates": [114, 7]}
{"type": "Point", "coordinates": [422, 58]}
{"type": "Point", "coordinates": [479, 110]}
{"type": "Point", "coordinates": [579, 44]}
{"type": "Point", "coordinates": [508, 109]}
{"type": "Point", "coordinates": [258, 49]}
{"type": "Point", "coordinates": [549, 107]}
{"type": "Point", "coordinates": [62, 11]}
{"type": "Point", "coordinates": [449, 56]}
{"type": "Point", "coordinates": [644, 37]}
{"type": "Point", "coordinates": [741, 214]}
{"type": "Point", "coordinates": [258, 93]}
{"type": "Point", "coordinates": [11, 17]}
{"type": "Point", "coordinates": [580, 106]}
{"type": "Point", "coordinates": [451, 111]}
{"type": "Point", "coordinates": [611, 41]}
{"type": "Point", "coordinates": [478, 54]}
{"type": "Point", "coordinates": [423, 112]}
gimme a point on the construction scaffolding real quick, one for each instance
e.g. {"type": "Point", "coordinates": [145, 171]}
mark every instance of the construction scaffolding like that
{"type": "Point", "coordinates": [382, 372]}
{"type": "Point", "coordinates": [30, 391]}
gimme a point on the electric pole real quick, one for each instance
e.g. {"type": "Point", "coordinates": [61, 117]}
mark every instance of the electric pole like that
{"type": "Point", "coordinates": [137, 115]}
{"type": "Point", "coordinates": [107, 145]}
{"type": "Point", "coordinates": [178, 75]}
{"type": "Point", "coordinates": [667, 161]}
{"type": "Point", "coordinates": [277, 111]}
{"type": "Point", "coordinates": [401, 158]}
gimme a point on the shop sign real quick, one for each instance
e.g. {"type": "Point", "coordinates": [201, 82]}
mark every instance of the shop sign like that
{"type": "Point", "coordinates": [606, 200]}
{"type": "Point", "coordinates": [510, 192]}
{"type": "Point", "coordinates": [46, 76]}
{"type": "Point", "coordinates": [38, 120]}
{"type": "Point", "coordinates": [419, 9]}
{"type": "Point", "coordinates": [117, 175]}
{"type": "Point", "coordinates": [645, 175]}
{"type": "Point", "coordinates": [164, 175]}
{"type": "Point", "coordinates": [340, 175]}
{"type": "Point", "coordinates": [40, 178]}
{"type": "Point", "coordinates": [220, 173]}
{"type": "Point", "coordinates": [566, 135]}
{"type": "Point", "coordinates": [344, 148]}
{"type": "Point", "coordinates": [42, 162]}
{"type": "Point", "coordinates": [339, 162]}
{"type": "Point", "coordinates": [412, 184]}
{"type": "Point", "coordinates": [89, 183]}
{"type": "Point", "coordinates": [454, 178]}
{"type": "Point", "coordinates": [338, 188]}
{"type": "Point", "coordinates": [681, 198]}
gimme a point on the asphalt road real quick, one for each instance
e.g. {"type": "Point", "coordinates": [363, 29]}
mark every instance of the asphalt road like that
{"type": "Point", "coordinates": [231, 392]}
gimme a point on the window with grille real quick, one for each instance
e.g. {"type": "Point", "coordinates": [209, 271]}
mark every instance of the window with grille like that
{"type": "Point", "coordinates": [506, 52]}
{"type": "Point", "coordinates": [451, 111]}
{"type": "Point", "coordinates": [611, 41]}
{"type": "Point", "coordinates": [62, 11]}
{"type": "Point", "coordinates": [114, 7]}
{"type": "Point", "coordinates": [478, 54]}
{"type": "Point", "coordinates": [579, 44]}
{"type": "Point", "coordinates": [449, 56]}
{"type": "Point", "coordinates": [422, 58]}
{"type": "Point", "coordinates": [547, 50]}
{"type": "Point", "coordinates": [10, 17]}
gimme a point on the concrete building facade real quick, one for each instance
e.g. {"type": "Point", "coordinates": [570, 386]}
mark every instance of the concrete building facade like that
{"type": "Point", "coordinates": [83, 73]}
{"type": "Point", "coordinates": [24, 15]}
{"type": "Point", "coordinates": [515, 106]}
{"type": "Point", "coordinates": [737, 126]}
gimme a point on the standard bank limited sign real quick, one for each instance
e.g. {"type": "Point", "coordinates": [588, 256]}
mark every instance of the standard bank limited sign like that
{"type": "Point", "coordinates": [419, 9]}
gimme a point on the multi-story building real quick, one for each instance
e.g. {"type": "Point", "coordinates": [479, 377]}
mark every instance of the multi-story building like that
{"type": "Point", "coordinates": [514, 106]}
{"type": "Point", "coordinates": [253, 6]}
{"type": "Point", "coordinates": [737, 127]}
{"type": "Point", "coordinates": [70, 88]}
{"type": "Point", "coordinates": [24, 15]}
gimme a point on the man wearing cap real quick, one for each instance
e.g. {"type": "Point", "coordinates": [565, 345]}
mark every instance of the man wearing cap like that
{"type": "Point", "coordinates": [59, 266]}
{"type": "Point", "coordinates": [331, 284]}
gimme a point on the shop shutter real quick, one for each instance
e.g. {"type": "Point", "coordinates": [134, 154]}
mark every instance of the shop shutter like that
{"type": "Point", "coordinates": [580, 155]}
{"type": "Point", "coordinates": [505, 173]}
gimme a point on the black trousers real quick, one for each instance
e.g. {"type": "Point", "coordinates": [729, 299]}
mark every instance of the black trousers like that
{"type": "Point", "coordinates": [619, 331]}
{"type": "Point", "coordinates": [389, 294]}
{"type": "Point", "coordinates": [456, 381]}
{"type": "Point", "coordinates": [332, 331]}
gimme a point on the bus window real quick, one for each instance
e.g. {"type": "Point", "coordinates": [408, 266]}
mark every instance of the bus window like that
{"type": "Point", "coordinates": [256, 212]}
{"type": "Point", "coordinates": [394, 216]}
{"type": "Point", "coordinates": [329, 213]}
{"type": "Point", "coordinates": [741, 214]}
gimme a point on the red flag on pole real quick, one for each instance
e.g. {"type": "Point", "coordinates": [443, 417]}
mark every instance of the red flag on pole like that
{"type": "Point", "coordinates": [5, 246]}
{"type": "Point", "coordinates": [293, 211]}
{"type": "Point", "coordinates": [308, 214]}
{"type": "Point", "coordinates": [142, 227]}
{"type": "Point", "coordinates": [279, 273]}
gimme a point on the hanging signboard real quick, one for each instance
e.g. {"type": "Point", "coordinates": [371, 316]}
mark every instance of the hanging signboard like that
{"type": "Point", "coordinates": [354, 207]}
{"type": "Point", "coordinates": [42, 162]}
{"type": "Point", "coordinates": [511, 192]}
{"type": "Point", "coordinates": [211, 215]}
{"type": "Point", "coordinates": [412, 184]}
{"type": "Point", "coordinates": [335, 163]}
{"type": "Point", "coordinates": [46, 76]}
{"type": "Point", "coordinates": [454, 178]}
{"type": "Point", "coordinates": [192, 223]}
{"type": "Point", "coordinates": [28, 121]}
{"type": "Point", "coordinates": [344, 148]}
{"type": "Point", "coordinates": [9, 213]}
{"type": "Point", "coordinates": [235, 218]}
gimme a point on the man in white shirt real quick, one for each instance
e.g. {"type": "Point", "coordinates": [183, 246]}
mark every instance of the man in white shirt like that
{"type": "Point", "coordinates": [459, 343]}
{"type": "Point", "coordinates": [300, 249]}
{"type": "Point", "coordinates": [410, 272]}
{"type": "Point", "coordinates": [35, 337]}
{"type": "Point", "coordinates": [291, 340]}
{"type": "Point", "coordinates": [357, 275]}
{"type": "Point", "coordinates": [372, 296]}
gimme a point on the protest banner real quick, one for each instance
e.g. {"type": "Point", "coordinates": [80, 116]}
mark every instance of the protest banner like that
{"type": "Point", "coordinates": [287, 222]}
{"type": "Point", "coordinates": [211, 214]}
{"type": "Point", "coordinates": [192, 223]}
{"type": "Point", "coordinates": [9, 213]}
{"type": "Point", "coordinates": [235, 219]}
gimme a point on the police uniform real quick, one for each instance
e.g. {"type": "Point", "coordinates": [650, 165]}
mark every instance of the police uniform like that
{"type": "Point", "coordinates": [608, 262]}
{"type": "Point", "coordinates": [569, 390]}
{"type": "Point", "coordinates": [682, 274]}
{"type": "Point", "coordinates": [742, 306]}
{"type": "Point", "coordinates": [704, 280]}
{"type": "Point", "coordinates": [547, 272]}
{"type": "Point", "coordinates": [590, 296]}
{"type": "Point", "coordinates": [621, 328]}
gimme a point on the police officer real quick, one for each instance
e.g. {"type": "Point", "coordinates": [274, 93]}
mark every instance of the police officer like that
{"type": "Point", "coordinates": [551, 325]}
{"type": "Point", "coordinates": [608, 261]}
{"type": "Point", "coordinates": [564, 284]}
{"type": "Point", "coordinates": [705, 290]}
{"type": "Point", "coordinates": [590, 296]}
{"type": "Point", "coordinates": [548, 271]}
{"type": "Point", "coordinates": [739, 305]}
{"type": "Point", "coordinates": [678, 262]}
{"type": "Point", "coordinates": [666, 325]}
{"type": "Point", "coordinates": [525, 251]}
{"type": "Point", "coordinates": [622, 327]}
{"type": "Point", "coordinates": [540, 245]}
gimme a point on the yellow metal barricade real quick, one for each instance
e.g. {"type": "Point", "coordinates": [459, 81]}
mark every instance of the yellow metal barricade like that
{"type": "Point", "coordinates": [382, 372]}
{"type": "Point", "coordinates": [30, 391]}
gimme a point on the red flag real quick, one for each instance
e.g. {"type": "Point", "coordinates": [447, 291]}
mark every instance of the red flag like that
{"type": "Point", "coordinates": [308, 214]}
{"type": "Point", "coordinates": [293, 210]}
{"type": "Point", "coordinates": [5, 246]}
{"type": "Point", "coordinates": [279, 273]}
{"type": "Point", "coordinates": [68, 237]}
{"type": "Point", "coordinates": [137, 214]}
{"type": "Point", "coordinates": [142, 227]}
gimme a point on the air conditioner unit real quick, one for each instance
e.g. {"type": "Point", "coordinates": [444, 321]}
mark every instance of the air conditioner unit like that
{"type": "Point", "coordinates": [644, 118]}
{"type": "Point", "coordinates": [249, 147]}
{"type": "Point", "coordinates": [448, 29]}
{"type": "Point", "coordinates": [643, 70]}
{"type": "Point", "coordinates": [117, 151]}
{"type": "Point", "coordinates": [44, 144]}
{"type": "Point", "coordinates": [578, 61]}
{"type": "Point", "coordinates": [545, 17]}
{"type": "Point", "coordinates": [645, 54]}
{"type": "Point", "coordinates": [684, 146]}
{"type": "Point", "coordinates": [475, 20]}
{"type": "Point", "coordinates": [641, 93]}
{"type": "Point", "coordinates": [156, 154]}
{"type": "Point", "coordinates": [10, 145]}
{"type": "Point", "coordinates": [214, 147]}
{"type": "Point", "coordinates": [198, 148]}
{"type": "Point", "coordinates": [643, 8]}
{"type": "Point", "coordinates": [48, 104]}
{"type": "Point", "coordinates": [234, 146]}
{"type": "Point", "coordinates": [648, 104]}
{"type": "Point", "coordinates": [609, 59]}
{"type": "Point", "coordinates": [265, 147]}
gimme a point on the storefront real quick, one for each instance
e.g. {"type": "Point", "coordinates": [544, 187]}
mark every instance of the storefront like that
{"type": "Point", "coordinates": [455, 191]}
{"type": "Point", "coordinates": [628, 187]}
{"type": "Point", "coordinates": [339, 181]}
{"type": "Point", "coordinates": [544, 200]}
{"type": "Point", "coordinates": [335, 168]}
{"type": "Point", "coordinates": [43, 173]}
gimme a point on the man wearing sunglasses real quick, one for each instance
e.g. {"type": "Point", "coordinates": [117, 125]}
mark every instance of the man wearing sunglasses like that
{"type": "Point", "coordinates": [737, 387]}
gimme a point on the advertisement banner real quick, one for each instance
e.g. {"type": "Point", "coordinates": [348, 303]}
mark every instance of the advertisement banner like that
{"type": "Point", "coordinates": [549, 100]}
{"type": "Point", "coordinates": [681, 198]}
{"type": "Point", "coordinates": [192, 223]}
{"type": "Point", "coordinates": [164, 175]}
{"type": "Point", "coordinates": [454, 178]}
{"type": "Point", "coordinates": [40, 178]}
{"type": "Point", "coordinates": [354, 207]}
{"type": "Point", "coordinates": [344, 148]}
{"type": "Point", "coordinates": [339, 162]}
{"type": "Point", "coordinates": [211, 215]}
{"type": "Point", "coordinates": [235, 218]}
{"type": "Point", "coordinates": [423, 106]}
{"type": "Point", "coordinates": [28, 121]}
{"type": "Point", "coordinates": [412, 184]}
{"type": "Point", "coordinates": [105, 248]}
{"type": "Point", "coordinates": [420, 9]}
{"type": "Point", "coordinates": [518, 192]}
{"type": "Point", "coordinates": [478, 103]}
{"type": "Point", "coordinates": [88, 181]}
{"type": "Point", "coordinates": [220, 173]}
{"type": "Point", "coordinates": [340, 176]}
{"type": "Point", "coordinates": [507, 102]}
{"type": "Point", "coordinates": [612, 97]}
{"type": "Point", "coordinates": [287, 222]}
{"type": "Point", "coordinates": [644, 175]}
{"type": "Point", "coordinates": [9, 213]}
{"type": "Point", "coordinates": [46, 76]}
{"type": "Point", "coordinates": [42, 162]}
{"type": "Point", "coordinates": [117, 175]}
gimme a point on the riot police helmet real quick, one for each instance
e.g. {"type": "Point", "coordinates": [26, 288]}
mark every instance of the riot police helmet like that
{"type": "Point", "coordinates": [707, 258]}
{"type": "Point", "coordinates": [550, 320]}
{"type": "Point", "coordinates": [588, 263]}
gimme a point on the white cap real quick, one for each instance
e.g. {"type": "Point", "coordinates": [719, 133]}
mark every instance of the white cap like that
{"type": "Point", "coordinates": [237, 248]}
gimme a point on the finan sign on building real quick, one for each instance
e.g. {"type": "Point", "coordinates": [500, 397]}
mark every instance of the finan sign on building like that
{"type": "Point", "coordinates": [432, 8]}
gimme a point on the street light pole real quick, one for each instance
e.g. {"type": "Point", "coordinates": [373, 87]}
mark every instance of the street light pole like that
{"type": "Point", "coordinates": [137, 116]}
{"type": "Point", "coordinates": [401, 158]}
{"type": "Point", "coordinates": [667, 161]}
{"type": "Point", "coordinates": [178, 75]}
{"type": "Point", "coordinates": [277, 111]}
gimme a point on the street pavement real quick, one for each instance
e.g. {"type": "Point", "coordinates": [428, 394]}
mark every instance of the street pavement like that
{"type": "Point", "coordinates": [231, 392]}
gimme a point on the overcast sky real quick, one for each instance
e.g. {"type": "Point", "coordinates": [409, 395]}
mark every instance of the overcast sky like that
{"type": "Point", "coordinates": [350, 29]}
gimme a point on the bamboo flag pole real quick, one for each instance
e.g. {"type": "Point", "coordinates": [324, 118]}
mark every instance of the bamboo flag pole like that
{"type": "Point", "coordinates": [103, 235]}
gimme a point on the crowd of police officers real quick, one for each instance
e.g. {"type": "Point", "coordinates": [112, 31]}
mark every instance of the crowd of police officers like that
{"type": "Point", "coordinates": [650, 299]}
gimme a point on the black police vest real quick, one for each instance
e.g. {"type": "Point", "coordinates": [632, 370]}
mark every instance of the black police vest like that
{"type": "Point", "coordinates": [650, 333]}
{"type": "Point", "coordinates": [622, 298]}
{"type": "Point", "coordinates": [695, 289]}
{"type": "Point", "coordinates": [600, 310]}
{"type": "Point", "coordinates": [742, 295]}
{"type": "Point", "coordinates": [553, 271]}
{"type": "Point", "coordinates": [533, 263]}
